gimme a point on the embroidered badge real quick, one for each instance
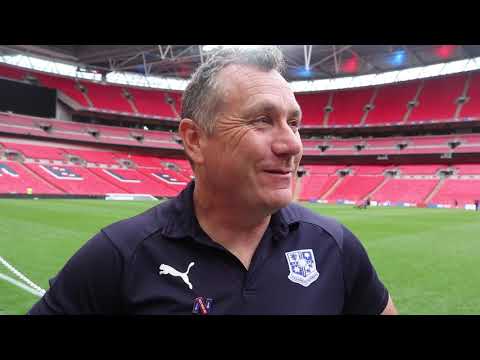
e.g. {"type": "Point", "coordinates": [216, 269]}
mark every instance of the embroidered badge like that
{"type": "Point", "coordinates": [202, 305]}
{"type": "Point", "coordinates": [302, 266]}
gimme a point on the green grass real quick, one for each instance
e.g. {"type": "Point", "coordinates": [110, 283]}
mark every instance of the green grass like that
{"type": "Point", "coordinates": [428, 258]}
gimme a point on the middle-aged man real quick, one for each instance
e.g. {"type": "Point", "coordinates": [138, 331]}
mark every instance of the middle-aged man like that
{"type": "Point", "coordinates": [232, 242]}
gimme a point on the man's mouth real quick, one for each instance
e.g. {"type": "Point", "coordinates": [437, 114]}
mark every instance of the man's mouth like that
{"type": "Point", "coordinates": [279, 171]}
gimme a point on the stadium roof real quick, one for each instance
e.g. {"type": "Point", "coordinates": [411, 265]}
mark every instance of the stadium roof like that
{"type": "Point", "coordinates": [304, 62]}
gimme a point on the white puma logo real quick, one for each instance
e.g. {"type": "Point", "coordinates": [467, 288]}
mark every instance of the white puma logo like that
{"type": "Point", "coordinates": [168, 270]}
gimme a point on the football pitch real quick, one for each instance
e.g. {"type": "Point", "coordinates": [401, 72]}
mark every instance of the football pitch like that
{"type": "Point", "coordinates": [429, 259]}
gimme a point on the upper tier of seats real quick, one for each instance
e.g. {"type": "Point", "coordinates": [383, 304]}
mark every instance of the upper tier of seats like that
{"type": "Point", "coordinates": [348, 106]}
{"type": "Point", "coordinates": [103, 97]}
{"type": "Point", "coordinates": [390, 104]}
{"type": "Point", "coordinates": [436, 100]}
{"type": "Point", "coordinates": [433, 99]}
{"type": "Point", "coordinates": [107, 97]}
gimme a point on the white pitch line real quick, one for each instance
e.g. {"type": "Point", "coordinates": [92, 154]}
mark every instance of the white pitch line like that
{"type": "Point", "coordinates": [21, 276]}
{"type": "Point", "coordinates": [21, 285]}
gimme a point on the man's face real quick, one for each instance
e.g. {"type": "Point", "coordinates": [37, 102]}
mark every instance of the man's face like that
{"type": "Point", "coordinates": [253, 155]}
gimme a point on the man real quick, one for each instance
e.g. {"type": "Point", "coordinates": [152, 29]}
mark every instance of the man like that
{"type": "Point", "coordinates": [232, 242]}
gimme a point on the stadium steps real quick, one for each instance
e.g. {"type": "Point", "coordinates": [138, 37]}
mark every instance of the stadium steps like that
{"type": "Point", "coordinates": [379, 186]}
{"type": "Point", "coordinates": [435, 190]}
{"type": "Point", "coordinates": [43, 179]}
{"type": "Point", "coordinates": [130, 101]}
{"type": "Point", "coordinates": [417, 95]}
{"type": "Point", "coordinates": [332, 189]}
{"type": "Point", "coordinates": [371, 102]}
{"type": "Point", "coordinates": [85, 95]}
{"type": "Point", "coordinates": [464, 94]}
{"type": "Point", "coordinates": [67, 100]}
{"type": "Point", "coordinates": [174, 110]}
{"type": "Point", "coordinates": [326, 115]}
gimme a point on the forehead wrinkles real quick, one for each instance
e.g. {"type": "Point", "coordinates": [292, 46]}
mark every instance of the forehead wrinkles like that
{"type": "Point", "coordinates": [239, 83]}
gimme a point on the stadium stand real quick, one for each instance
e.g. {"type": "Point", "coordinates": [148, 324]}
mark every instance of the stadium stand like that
{"type": "Point", "coordinates": [101, 96]}
{"type": "Point", "coordinates": [108, 97]}
{"type": "Point", "coordinates": [349, 106]}
{"type": "Point", "coordinates": [369, 169]}
{"type": "Point", "coordinates": [95, 156]}
{"type": "Point", "coordinates": [154, 102]}
{"type": "Point", "coordinates": [47, 167]}
{"type": "Point", "coordinates": [36, 151]}
{"type": "Point", "coordinates": [313, 107]}
{"type": "Point", "coordinates": [355, 187]}
{"type": "Point", "coordinates": [58, 129]}
{"type": "Point", "coordinates": [467, 169]}
{"type": "Point", "coordinates": [384, 143]}
{"type": "Point", "coordinates": [66, 85]}
{"type": "Point", "coordinates": [471, 109]}
{"type": "Point", "coordinates": [74, 179]}
{"type": "Point", "coordinates": [17, 179]}
{"type": "Point", "coordinates": [322, 169]}
{"type": "Point", "coordinates": [315, 186]}
{"type": "Point", "coordinates": [170, 180]}
{"type": "Point", "coordinates": [133, 181]}
{"type": "Point", "coordinates": [464, 191]}
{"type": "Point", "coordinates": [413, 191]}
{"type": "Point", "coordinates": [390, 105]}
{"type": "Point", "coordinates": [423, 169]}
{"type": "Point", "coordinates": [9, 72]}
{"type": "Point", "coordinates": [437, 100]}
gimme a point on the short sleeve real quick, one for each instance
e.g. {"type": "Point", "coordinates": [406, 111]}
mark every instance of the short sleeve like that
{"type": "Point", "coordinates": [365, 293]}
{"type": "Point", "coordinates": [89, 283]}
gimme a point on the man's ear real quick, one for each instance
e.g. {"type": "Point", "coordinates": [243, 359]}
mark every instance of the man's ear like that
{"type": "Point", "coordinates": [191, 135]}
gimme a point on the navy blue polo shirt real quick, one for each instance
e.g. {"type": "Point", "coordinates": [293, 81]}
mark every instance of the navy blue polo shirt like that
{"type": "Point", "coordinates": [162, 262]}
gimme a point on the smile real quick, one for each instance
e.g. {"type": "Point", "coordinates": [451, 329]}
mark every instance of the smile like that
{"type": "Point", "coordinates": [279, 171]}
{"type": "Point", "coordinates": [279, 174]}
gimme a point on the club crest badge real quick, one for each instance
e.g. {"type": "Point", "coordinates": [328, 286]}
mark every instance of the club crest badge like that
{"type": "Point", "coordinates": [303, 269]}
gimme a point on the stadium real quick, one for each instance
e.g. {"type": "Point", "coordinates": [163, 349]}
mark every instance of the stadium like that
{"type": "Point", "coordinates": [391, 137]}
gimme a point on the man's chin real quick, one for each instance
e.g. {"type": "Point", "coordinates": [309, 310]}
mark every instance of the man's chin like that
{"type": "Point", "coordinates": [278, 199]}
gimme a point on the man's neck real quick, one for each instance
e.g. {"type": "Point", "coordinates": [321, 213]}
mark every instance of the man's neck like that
{"type": "Point", "coordinates": [237, 229]}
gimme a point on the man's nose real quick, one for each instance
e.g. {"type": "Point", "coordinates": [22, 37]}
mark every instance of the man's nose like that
{"type": "Point", "coordinates": [286, 142]}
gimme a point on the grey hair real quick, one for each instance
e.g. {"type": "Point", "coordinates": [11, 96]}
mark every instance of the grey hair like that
{"type": "Point", "coordinates": [201, 97]}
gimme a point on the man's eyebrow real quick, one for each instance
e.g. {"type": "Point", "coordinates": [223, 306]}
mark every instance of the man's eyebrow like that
{"type": "Point", "coordinates": [268, 107]}
{"type": "Point", "coordinates": [297, 113]}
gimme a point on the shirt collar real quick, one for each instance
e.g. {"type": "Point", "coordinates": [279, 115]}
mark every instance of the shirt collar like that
{"type": "Point", "coordinates": [183, 222]}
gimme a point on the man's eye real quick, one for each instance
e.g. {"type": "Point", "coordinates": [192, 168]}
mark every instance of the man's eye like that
{"type": "Point", "coordinates": [263, 120]}
{"type": "Point", "coordinates": [294, 124]}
